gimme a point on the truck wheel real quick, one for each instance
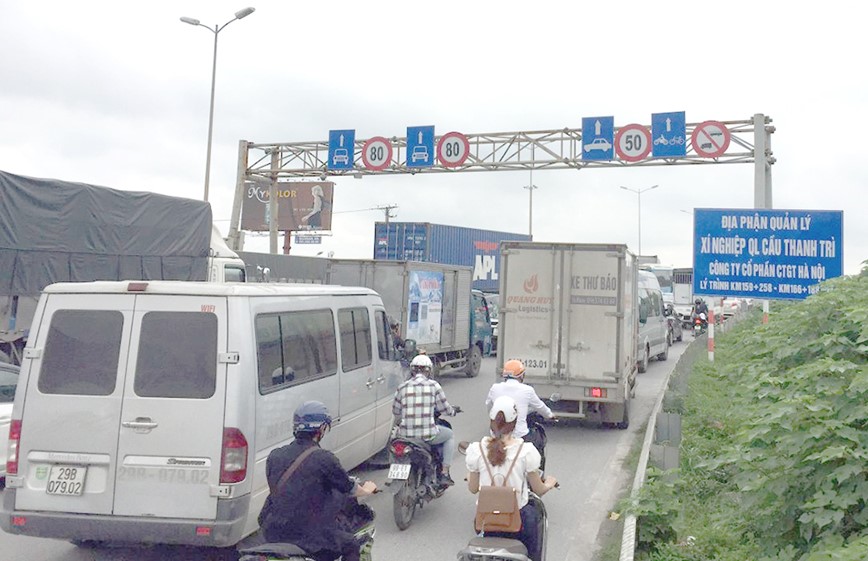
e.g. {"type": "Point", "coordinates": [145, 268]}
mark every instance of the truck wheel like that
{"type": "Point", "coordinates": [643, 366]}
{"type": "Point", "coordinates": [625, 421]}
{"type": "Point", "coordinates": [665, 354]}
{"type": "Point", "coordinates": [474, 362]}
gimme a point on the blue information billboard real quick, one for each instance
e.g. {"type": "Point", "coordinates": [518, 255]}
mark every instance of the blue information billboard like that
{"type": "Point", "coordinates": [769, 254]}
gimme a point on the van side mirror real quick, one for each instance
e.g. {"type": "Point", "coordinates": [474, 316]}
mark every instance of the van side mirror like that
{"type": "Point", "coordinates": [409, 348]}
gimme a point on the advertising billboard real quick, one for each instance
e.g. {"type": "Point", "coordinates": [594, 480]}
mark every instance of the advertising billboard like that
{"type": "Point", "coordinates": [302, 205]}
{"type": "Point", "coordinates": [768, 254]}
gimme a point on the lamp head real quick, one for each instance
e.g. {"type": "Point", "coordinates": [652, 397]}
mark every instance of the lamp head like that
{"type": "Point", "coordinates": [191, 21]}
{"type": "Point", "coordinates": [241, 14]}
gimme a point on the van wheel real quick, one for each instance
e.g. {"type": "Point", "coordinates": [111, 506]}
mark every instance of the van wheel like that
{"type": "Point", "coordinates": [474, 362]}
{"type": "Point", "coordinates": [665, 354]}
{"type": "Point", "coordinates": [643, 366]}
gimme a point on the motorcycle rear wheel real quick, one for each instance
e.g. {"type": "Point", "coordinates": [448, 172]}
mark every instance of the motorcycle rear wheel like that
{"type": "Point", "coordinates": [404, 502]}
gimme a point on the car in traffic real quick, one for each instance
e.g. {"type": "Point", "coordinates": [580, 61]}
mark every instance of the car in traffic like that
{"type": "Point", "coordinates": [673, 322]}
{"type": "Point", "coordinates": [731, 306]}
{"type": "Point", "coordinates": [8, 383]}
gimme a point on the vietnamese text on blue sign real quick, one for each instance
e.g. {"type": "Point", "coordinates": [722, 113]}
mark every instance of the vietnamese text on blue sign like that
{"type": "Point", "coordinates": [774, 254]}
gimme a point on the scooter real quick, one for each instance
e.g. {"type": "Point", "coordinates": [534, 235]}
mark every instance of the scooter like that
{"type": "Point", "coordinates": [700, 324]}
{"type": "Point", "coordinates": [359, 515]}
{"type": "Point", "coordinates": [413, 472]}
{"type": "Point", "coordinates": [490, 548]}
{"type": "Point", "coordinates": [537, 435]}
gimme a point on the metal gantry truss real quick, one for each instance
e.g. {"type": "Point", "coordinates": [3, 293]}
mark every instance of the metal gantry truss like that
{"type": "Point", "coordinates": [270, 163]}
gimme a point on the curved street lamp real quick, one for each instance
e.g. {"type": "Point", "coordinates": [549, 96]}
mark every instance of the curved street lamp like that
{"type": "Point", "coordinates": [240, 14]}
{"type": "Point", "coordinates": [639, 196]}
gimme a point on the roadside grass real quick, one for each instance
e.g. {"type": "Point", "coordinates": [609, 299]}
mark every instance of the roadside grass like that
{"type": "Point", "coordinates": [775, 441]}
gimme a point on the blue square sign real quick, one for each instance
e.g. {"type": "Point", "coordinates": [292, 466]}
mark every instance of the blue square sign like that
{"type": "Point", "coordinates": [341, 149]}
{"type": "Point", "coordinates": [598, 138]}
{"type": "Point", "coordinates": [420, 147]}
{"type": "Point", "coordinates": [668, 135]}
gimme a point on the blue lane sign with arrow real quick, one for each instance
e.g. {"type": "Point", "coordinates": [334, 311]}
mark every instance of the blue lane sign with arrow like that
{"type": "Point", "coordinates": [341, 149]}
{"type": "Point", "coordinates": [668, 135]}
{"type": "Point", "coordinates": [420, 147]}
{"type": "Point", "coordinates": [598, 138]}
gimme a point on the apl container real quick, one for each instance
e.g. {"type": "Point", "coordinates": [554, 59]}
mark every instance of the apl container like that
{"type": "Point", "coordinates": [439, 243]}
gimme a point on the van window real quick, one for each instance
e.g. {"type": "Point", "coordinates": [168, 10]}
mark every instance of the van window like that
{"type": "Point", "coordinates": [385, 341]}
{"type": "Point", "coordinates": [294, 348]}
{"type": "Point", "coordinates": [177, 355]}
{"type": "Point", "coordinates": [81, 352]}
{"type": "Point", "coordinates": [355, 326]}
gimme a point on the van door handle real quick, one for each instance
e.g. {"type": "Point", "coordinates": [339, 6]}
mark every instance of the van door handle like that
{"type": "Point", "coordinates": [141, 424]}
{"type": "Point", "coordinates": [369, 383]}
{"type": "Point", "coordinates": [381, 379]}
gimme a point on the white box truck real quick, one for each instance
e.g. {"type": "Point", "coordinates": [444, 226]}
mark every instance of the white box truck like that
{"type": "Point", "coordinates": [569, 312]}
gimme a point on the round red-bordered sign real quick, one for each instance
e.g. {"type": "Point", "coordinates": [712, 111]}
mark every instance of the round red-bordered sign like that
{"type": "Point", "coordinates": [710, 139]}
{"type": "Point", "coordinates": [377, 153]}
{"type": "Point", "coordinates": [633, 143]}
{"type": "Point", "coordinates": [453, 149]}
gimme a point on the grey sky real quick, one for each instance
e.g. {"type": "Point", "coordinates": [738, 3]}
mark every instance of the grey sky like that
{"type": "Point", "coordinates": [116, 94]}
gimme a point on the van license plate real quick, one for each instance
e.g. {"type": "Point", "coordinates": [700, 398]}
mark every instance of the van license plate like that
{"type": "Point", "coordinates": [399, 471]}
{"type": "Point", "coordinates": [66, 480]}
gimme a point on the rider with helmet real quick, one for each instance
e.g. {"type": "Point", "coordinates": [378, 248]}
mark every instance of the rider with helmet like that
{"type": "Point", "coordinates": [414, 406]}
{"type": "Point", "coordinates": [525, 398]}
{"type": "Point", "coordinates": [306, 508]}
{"type": "Point", "coordinates": [700, 307]}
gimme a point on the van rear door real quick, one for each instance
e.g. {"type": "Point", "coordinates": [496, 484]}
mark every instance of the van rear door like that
{"type": "Point", "coordinates": [171, 421]}
{"type": "Point", "coordinates": [76, 359]}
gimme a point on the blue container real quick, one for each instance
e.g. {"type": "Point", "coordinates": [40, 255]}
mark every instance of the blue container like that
{"type": "Point", "coordinates": [452, 245]}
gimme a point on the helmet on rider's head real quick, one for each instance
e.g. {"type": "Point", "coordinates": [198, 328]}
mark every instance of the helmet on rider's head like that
{"type": "Point", "coordinates": [310, 417]}
{"type": "Point", "coordinates": [513, 369]}
{"type": "Point", "coordinates": [698, 301]}
{"type": "Point", "coordinates": [421, 364]}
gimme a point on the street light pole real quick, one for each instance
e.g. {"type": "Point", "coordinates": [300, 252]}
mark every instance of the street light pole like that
{"type": "Point", "coordinates": [639, 197]}
{"type": "Point", "coordinates": [217, 29]}
{"type": "Point", "coordinates": [530, 189]}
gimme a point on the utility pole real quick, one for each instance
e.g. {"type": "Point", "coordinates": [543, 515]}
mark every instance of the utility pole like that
{"type": "Point", "coordinates": [387, 210]}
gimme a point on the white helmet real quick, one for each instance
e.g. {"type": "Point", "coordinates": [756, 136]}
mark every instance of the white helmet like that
{"type": "Point", "coordinates": [421, 363]}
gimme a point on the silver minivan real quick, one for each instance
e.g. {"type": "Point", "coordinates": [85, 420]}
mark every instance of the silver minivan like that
{"type": "Point", "coordinates": [652, 340]}
{"type": "Point", "coordinates": [146, 410]}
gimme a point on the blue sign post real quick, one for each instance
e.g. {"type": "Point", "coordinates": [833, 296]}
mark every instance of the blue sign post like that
{"type": "Point", "coordinates": [668, 135]}
{"type": "Point", "coordinates": [598, 138]}
{"type": "Point", "coordinates": [341, 149]}
{"type": "Point", "coordinates": [420, 147]}
{"type": "Point", "coordinates": [768, 254]}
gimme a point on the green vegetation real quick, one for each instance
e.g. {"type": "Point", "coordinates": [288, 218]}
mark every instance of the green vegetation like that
{"type": "Point", "coordinates": [774, 455]}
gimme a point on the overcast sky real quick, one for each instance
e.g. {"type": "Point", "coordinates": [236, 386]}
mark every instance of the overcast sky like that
{"type": "Point", "coordinates": [116, 93]}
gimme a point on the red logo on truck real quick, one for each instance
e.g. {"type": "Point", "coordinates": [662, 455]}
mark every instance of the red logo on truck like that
{"type": "Point", "coordinates": [531, 285]}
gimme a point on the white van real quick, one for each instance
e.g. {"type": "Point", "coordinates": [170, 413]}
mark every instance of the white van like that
{"type": "Point", "coordinates": [652, 341]}
{"type": "Point", "coordinates": [146, 410]}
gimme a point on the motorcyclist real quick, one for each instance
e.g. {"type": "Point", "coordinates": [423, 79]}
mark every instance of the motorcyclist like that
{"type": "Point", "coordinates": [525, 398]}
{"type": "Point", "coordinates": [505, 455]}
{"type": "Point", "coordinates": [700, 307]}
{"type": "Point", "coordinates": [414, 406]}
{"type": "Point", "coordinates": [306, 509]}
{"type": "Point", "coordinates": [397, 341]}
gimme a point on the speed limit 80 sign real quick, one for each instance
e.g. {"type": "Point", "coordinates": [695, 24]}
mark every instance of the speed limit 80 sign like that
{"type": "Point", "coordinates": [453, 149]}
{"type": "Point", "coordinates": [633, 143]}
{"type": "Point", "coordinates": [377, 153]}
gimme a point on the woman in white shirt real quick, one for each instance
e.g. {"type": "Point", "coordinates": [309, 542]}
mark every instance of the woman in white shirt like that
{"type": "Point", "coordinates": [500, 450]}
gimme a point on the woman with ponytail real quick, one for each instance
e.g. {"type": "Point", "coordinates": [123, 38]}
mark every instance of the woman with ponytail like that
{"type": "Point", "coordinates": [501, 450]}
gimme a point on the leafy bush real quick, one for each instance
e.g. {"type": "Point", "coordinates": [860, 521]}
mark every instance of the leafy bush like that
{"type": "Point", "coordinates": [775, 443]}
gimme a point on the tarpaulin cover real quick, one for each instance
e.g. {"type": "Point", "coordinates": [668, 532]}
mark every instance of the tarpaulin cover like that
{"type": "Point", "coordinates": [54, 231]}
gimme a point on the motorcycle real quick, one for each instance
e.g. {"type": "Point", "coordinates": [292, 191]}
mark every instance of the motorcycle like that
{"type": "Point", "coordinates": [700, 324]}
{"type": "Point", "coordinates": [357, 515]}
{"type": "Point", "coordinates": [415, 465]}
{"type": "Point", "coordinates": [537, 435]}
{"type": "Point", "coordinates": [491, 548]}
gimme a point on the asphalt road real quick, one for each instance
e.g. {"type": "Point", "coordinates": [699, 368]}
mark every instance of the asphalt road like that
{"type": "Point", "coordinates": [587, 460]}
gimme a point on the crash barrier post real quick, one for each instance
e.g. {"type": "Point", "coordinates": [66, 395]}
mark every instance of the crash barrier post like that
{"type": "Point", "coordinates": [711, 335]}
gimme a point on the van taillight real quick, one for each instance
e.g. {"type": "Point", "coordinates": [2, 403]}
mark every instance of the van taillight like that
{"type": "Point", "coordinates": [12, 450]}
{"type": "Point", "coordinates": [233, 460]}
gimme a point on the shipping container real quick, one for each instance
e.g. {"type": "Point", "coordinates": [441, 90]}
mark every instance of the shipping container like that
{"type": "Point", "coordinates": [449, 245]}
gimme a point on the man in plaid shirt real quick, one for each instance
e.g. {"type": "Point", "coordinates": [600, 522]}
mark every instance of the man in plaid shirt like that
{"type": "Point", "coordinates": [413, 408]}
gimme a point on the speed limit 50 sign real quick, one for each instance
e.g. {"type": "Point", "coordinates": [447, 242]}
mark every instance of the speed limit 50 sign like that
{"type": "Point", "coordinates": [633, 143]}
